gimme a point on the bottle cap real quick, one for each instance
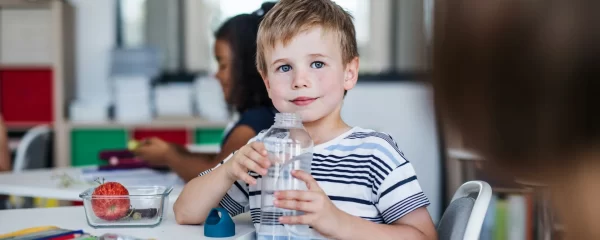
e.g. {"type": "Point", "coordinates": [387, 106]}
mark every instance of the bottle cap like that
{"type": "Point", "coordinates": [219, 227]}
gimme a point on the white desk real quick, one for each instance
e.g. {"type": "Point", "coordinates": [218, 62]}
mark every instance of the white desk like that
{"type": "Point", "coordinates": [43, 183]}
{"type": "Point", "coordinates": [74, 218]}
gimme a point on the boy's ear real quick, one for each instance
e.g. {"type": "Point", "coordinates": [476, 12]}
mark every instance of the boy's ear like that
{"type": "Point", "coordinates": [351, 74]}
{"type": "Point", "coordinates": [266, 81]}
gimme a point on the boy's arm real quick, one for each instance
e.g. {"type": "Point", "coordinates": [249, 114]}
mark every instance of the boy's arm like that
{"type": "Point", "coordinates": [218, 187]}
{"type": "Point", "coordinates": [415, 225]}
{"type": "Point", "coordinates": [200, 195]}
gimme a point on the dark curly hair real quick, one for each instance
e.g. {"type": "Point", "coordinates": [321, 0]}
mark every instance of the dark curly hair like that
{"type": "Point", "coordinates": [248, 89]}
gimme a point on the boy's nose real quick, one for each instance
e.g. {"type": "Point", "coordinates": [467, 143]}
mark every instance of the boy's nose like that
{"type": "Point", "coordinates": [300, 81]}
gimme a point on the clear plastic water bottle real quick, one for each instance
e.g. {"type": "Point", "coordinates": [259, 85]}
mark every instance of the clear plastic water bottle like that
{"type": "Point", "coordinates": [289, 148]}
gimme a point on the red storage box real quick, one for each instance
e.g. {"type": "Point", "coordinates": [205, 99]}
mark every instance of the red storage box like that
{"type": "Point", "coordinates": [26, 96]}
{"type": "Point", "coordinates": [179, 136]}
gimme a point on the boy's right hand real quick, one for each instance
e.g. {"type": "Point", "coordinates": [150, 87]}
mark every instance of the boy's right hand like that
{"type": "Point", "coordinates": [251, 157]}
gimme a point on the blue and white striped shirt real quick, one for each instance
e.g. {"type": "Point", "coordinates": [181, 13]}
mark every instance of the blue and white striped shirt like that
{"type": "Point", "coordinates": [362, 171]}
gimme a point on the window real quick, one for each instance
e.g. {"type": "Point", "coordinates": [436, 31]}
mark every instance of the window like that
{"type": "Point", "coordinates": [360, 11]}
{"type": "Point", "coordinates": [428, 9]}
{"type": "Point", "coordinates": [230, 8]}
{"type": "Point", "coordinates": [198, 19]}
{"type": "Point", "coordinates": [133, 16]}
{"type": "Point", "coordinates": [372, 20]}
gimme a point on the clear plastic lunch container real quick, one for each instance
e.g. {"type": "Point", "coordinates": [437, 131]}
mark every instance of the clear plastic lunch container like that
{"type": "Point", "coordinates": [146, 207]}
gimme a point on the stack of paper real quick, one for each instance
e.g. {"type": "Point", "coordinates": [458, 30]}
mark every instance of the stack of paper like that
{"type": "Point", "coordinates": [92, 110]}
{"type": "Point", "coordinates": [174, 99]}
{"type": "Point", "coordinates": [210, 100]}
{"type": "Point", "coordinates": [132, 98]}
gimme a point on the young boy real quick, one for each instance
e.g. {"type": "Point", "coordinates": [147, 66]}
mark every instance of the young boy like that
{"type": "Point", "coordinates": [361, 186]}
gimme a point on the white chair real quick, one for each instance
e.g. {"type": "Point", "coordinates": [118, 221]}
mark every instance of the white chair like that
{"type": "Point", "coordinates": [32, 153]}
{"type": "Point", "coordinates": [33, 149]}
{"type": "Point", "coordinates": [463, 219]}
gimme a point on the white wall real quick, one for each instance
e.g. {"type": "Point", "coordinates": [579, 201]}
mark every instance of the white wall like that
{"type": "Point", "coordinates": [405, 111]}
{"type": "Point", "coordinates": [95, 37]}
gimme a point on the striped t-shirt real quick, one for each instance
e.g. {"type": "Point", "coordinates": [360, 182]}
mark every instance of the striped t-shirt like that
{"type": "Point", "coordinates": [362, 171]}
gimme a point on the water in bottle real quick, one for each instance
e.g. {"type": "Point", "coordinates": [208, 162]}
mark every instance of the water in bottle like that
{"type": "Point", "coordinates": [289, 148]}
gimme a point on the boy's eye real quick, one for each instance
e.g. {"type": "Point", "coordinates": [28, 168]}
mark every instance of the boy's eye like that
{"type": "Point", "coordinates": [317, 64]}
{"type": "Point", "coordinates": [284, 68]}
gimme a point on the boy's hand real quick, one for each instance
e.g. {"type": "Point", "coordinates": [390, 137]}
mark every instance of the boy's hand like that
{"type": "Point", "coordinates": [251, 157]}
{"type": "Point", "coordinates": [319, 212]}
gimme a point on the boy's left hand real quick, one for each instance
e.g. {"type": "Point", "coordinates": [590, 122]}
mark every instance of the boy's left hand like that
{"type": "Point", "coordinates": [319, 212]}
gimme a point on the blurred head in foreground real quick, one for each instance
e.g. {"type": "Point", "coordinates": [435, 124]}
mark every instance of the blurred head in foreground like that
{"type": "Point", "coordinates": [521, 81]}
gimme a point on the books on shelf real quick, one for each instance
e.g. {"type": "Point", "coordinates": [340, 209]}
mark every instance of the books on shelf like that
{"type": "Point", "coordinates": [94, 110]}
{"type": "Point", "coordinates": [512, 216]}
{"type": "Point", "coordinates": [174, 99]}
{"type": "Point", "coordinates": [132, 96]}
{"type": "Point", "coordinates": [209, 99]}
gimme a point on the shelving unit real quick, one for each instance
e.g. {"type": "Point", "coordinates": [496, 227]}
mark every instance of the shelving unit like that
{"type": "Point", "coordinates": [36, 66]}
{"type": "Point", "coordinates": [37, 82]}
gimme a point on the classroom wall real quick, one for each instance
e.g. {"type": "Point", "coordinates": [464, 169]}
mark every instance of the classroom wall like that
{"type": "Point", "coordinates": [95, 37]}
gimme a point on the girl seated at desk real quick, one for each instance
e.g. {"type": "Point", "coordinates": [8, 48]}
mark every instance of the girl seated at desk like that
{"type": "Point", "coordinates": [243, 89]}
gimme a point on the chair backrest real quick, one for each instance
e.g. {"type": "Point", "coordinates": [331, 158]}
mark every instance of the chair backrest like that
{"type": "Point", "coordinates": [33, 149]}
{"type": "Point", "coordinates": [463, 219]}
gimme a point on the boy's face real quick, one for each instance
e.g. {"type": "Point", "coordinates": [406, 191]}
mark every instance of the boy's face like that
{"type": "Point", "coordinates": [308, 76]}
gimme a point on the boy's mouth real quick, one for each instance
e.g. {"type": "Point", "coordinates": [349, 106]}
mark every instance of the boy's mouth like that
{"type": "Point", "coordinates": [303, 101]}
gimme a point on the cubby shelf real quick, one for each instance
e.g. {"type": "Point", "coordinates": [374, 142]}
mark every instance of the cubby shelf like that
{"type": "Point", "coordinates": [37, 84]}
{"type": "Point", "coordinates": [36, 67]}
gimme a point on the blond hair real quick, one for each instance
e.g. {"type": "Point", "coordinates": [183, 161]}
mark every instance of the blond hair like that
{"type": "Point", "coordinates": [290, 17]}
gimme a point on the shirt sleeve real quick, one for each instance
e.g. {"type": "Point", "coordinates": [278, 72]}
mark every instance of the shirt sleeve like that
{"type": "Point", "coordinates": [236, 201]}
{"type": "Point", "coordinates": [400, 192]}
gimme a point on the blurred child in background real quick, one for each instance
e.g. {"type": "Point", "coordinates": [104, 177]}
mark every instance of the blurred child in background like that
{"type": "Point", "coordinates": [243, 89]}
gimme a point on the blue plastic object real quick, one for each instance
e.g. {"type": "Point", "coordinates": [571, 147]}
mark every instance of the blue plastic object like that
{"type": "Point", "coordinates": [219, 227]}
